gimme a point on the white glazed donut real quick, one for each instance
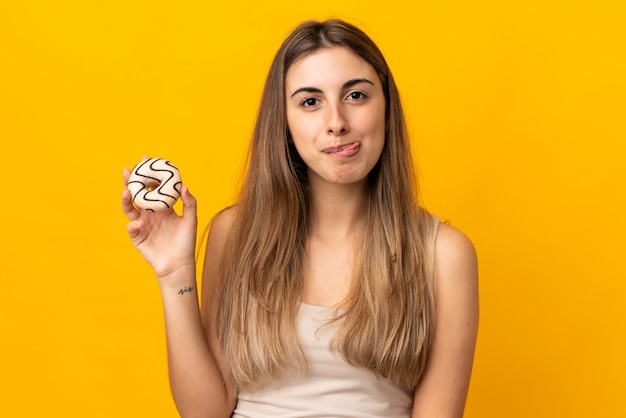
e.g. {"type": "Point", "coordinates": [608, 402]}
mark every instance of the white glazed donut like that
{"type": "Point", "coordinates": [154, 184]}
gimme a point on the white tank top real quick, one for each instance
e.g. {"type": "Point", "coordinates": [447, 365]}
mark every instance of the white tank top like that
{"type": "Point", "coordinates": [330, 388]}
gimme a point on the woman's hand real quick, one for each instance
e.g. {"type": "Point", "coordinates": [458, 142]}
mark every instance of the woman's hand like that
{"type": "Point", "coordinates": [167, 241]}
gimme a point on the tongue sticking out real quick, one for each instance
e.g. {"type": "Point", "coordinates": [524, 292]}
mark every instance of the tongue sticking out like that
{"type": "Point", "coordinates": [346, 150]}
{"type": "Point", "coordinates": [354, 145]}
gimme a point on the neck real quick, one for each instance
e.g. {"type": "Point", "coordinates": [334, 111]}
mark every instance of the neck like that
{"type": "Point", "coordinates": [337, 209]}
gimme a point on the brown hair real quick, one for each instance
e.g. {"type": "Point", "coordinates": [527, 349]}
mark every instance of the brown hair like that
{"type": "Point", "coordinates": [261, 274]}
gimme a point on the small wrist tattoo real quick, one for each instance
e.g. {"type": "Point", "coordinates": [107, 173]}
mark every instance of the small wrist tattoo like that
{"type": "Point", "coordinates": [185, 290]}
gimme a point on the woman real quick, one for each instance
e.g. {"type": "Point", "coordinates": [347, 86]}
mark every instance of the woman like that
{"type": "Point", "coordinates": [327, 291]}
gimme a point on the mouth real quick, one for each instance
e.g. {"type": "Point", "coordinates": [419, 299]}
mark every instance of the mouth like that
{"type": "Point", "coordinates": [345, 150]}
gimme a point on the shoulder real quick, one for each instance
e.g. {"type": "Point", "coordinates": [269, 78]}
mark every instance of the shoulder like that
{"type": "Point", "coordinates": [456, 278]}
{"type": "Point", "coordinates": [455, 255]}
{"type": "Point", "coordinates": [222, 222]}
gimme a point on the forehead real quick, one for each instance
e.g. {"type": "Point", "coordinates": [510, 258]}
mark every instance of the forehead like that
{"type": "Point", "coordinates": [327, 66]}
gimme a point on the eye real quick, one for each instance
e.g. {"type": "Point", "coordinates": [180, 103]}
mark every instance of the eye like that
{"type": "Point", "coordinates": [356, 95]}
{"type": "Point", "coordinates": [309, 102]}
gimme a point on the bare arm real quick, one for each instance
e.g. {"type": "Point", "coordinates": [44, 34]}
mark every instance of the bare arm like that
{"type": "Point", "coordinates": [443, 390]}
{"type": "Point", "coordinates": [167, 242]}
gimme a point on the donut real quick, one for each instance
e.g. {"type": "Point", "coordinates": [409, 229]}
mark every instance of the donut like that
{"type": "Point", "coordinates": [154, 184]}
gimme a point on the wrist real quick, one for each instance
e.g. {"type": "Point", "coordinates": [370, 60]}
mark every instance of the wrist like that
{"type": "Point", "coordinates": [180, 278]}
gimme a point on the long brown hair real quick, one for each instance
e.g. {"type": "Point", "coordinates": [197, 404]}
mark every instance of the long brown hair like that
{"type": "Point", "coordinates": [386, 323]}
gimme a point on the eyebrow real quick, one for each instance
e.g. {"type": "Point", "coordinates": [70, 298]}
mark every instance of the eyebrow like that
{"type": "Point", "coordinates": [346, 85]}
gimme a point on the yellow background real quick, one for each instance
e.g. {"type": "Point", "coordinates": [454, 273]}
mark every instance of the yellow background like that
{"type": "Point", "coordinates": [517, 109]}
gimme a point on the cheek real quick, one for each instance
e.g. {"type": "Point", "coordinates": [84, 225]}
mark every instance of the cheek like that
{"type": "Point", "coordinates": [301, 129]}
{"type": "Point", "coordinates": [376, 127]}
{"type": "Point", "coordinates": [298, 134]}
{"type": "Point", "coordinates": [292, 123]}
{"type": "Point", "coordinates": [373, 124]}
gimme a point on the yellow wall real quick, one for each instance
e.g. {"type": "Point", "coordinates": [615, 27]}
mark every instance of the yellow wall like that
{"type": "Point", "coordinates": [518, 111]}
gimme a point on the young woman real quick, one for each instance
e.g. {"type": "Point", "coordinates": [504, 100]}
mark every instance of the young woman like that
{"type": "Point", "coordinates": [326, 290]}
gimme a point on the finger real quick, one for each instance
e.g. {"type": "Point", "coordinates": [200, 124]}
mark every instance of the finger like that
{"type": "Point", "coordinates": [125, 175]}
{"type": "Point", "coordinates": [190, 206]}
{"type": "Point", "coordinates": [133, 228]}
{"type": "Point", "coordinates": [126, 171]}
{"type": "Point", "coordinates": [128, 208]}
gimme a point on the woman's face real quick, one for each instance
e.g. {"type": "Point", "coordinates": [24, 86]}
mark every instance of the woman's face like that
{"type": "Point", "coordinates": [336, 115]}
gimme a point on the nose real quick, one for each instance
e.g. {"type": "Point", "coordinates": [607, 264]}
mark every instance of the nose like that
{"type": "Point", "coordinates": [337, 123]}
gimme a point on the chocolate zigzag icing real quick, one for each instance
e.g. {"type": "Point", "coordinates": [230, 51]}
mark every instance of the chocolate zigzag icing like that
{"type": "Point", "coordinates": [155, 184]}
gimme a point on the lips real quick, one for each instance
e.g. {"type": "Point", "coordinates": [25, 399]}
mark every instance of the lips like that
{"type": "Point", "coordinates": [345, 150]}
